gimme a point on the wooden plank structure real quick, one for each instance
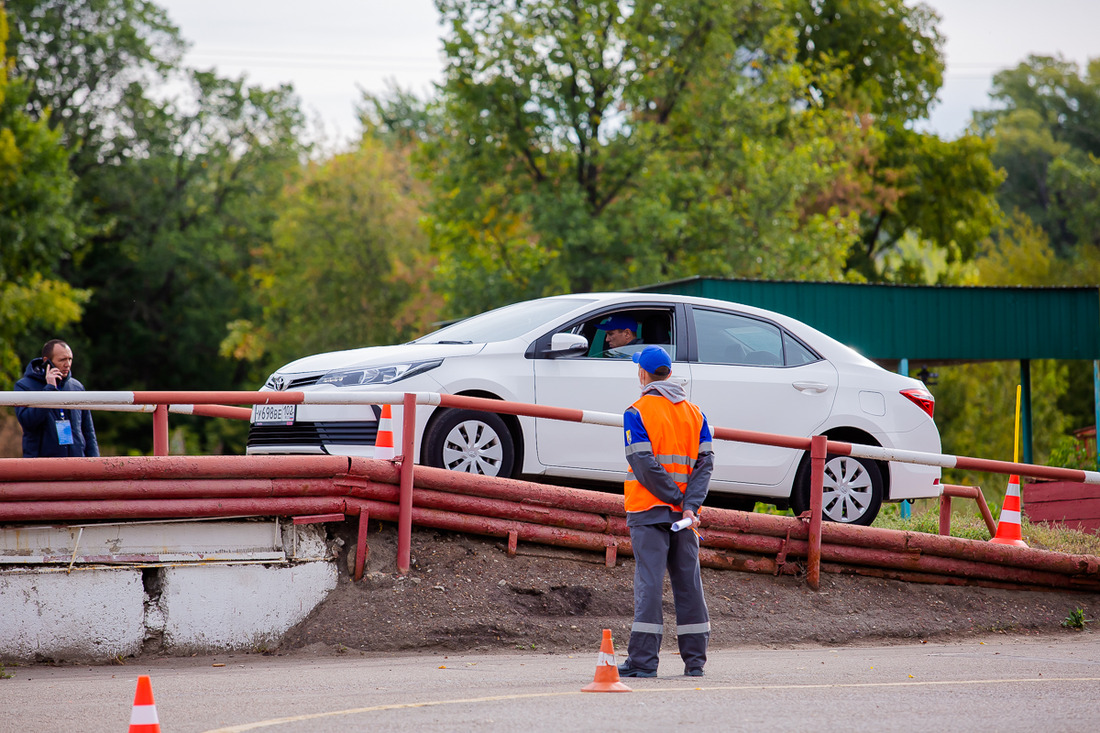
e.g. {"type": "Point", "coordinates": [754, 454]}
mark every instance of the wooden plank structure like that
{"type": "Point", "coordinates": [1075, 505]}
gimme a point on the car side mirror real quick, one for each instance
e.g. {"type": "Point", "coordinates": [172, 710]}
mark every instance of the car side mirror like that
{"type": "Point", "coordinates": [567, 344]}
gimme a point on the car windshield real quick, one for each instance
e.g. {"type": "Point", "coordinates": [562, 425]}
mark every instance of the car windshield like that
{"type": "Point", "coordinates": [504, 323]}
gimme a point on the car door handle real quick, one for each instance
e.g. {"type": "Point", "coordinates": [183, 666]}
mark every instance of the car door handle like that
{"type": "Point", "coordinates": [817, 387]}
{"type": "Point", "coordinates": [682, 381]}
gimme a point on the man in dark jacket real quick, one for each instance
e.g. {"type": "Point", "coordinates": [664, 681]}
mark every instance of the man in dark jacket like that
{"type": "Point", "coordinates": [53, 433]}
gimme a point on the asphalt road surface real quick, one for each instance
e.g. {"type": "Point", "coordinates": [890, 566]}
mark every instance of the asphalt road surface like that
{"type": "Point", "coordinates": [1000, 684]}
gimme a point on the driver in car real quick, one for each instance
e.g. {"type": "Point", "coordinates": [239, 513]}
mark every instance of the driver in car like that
{"type": "Point", "coordinates": [620, 332]}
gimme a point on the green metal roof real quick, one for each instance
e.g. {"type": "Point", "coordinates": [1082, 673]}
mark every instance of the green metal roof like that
{"type": "Point", "coordinates": [926, 323]}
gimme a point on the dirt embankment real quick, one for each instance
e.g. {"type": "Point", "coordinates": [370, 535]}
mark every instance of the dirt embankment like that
{"type": "Point", "coordinates": [465, 593]}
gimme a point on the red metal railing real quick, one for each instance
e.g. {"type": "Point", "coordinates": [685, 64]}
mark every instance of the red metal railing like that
{"type": "Point", "coordinates": [894, 556]}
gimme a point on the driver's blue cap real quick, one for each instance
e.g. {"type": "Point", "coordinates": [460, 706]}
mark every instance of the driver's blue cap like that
{"type": "Point", "coordinates": [652, 358]}
{"type": "Point", "coordinates": [618, 323]}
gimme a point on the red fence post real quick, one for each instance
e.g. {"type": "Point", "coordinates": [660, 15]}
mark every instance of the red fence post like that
{"type": "Point", "coordinates": [818, 450]}
{"type": "Point", "coordinates": [160, 430]}
{"type": "Point", "coordinates": [404, 516]}
{"type": "Point", "coordinates": [945, 513]}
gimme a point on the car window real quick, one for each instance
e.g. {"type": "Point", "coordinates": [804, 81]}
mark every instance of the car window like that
{"type": "Point", "coordinates": [646, 326]}
{"type": "Point", "coordinates": [795, 353]}
{"type": "Point", "coordinates": [728, 338]}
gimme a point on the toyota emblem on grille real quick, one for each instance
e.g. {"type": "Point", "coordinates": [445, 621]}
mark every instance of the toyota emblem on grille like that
{"type": "Point", "coordinates": [278, 383]}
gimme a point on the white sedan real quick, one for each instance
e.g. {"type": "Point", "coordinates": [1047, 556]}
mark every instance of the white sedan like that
{"type": "Point", "coordinates": [746, 368]}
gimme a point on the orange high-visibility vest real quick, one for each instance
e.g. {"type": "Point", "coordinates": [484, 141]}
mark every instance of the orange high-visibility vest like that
{"type": "Point", "coordinates": [673, 430]}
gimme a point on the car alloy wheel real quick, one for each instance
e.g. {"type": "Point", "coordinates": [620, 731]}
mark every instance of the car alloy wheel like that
{"type": "Point", "coordinates": [851, 490]}
{"type": "Point", "coordinates": [471, 442]}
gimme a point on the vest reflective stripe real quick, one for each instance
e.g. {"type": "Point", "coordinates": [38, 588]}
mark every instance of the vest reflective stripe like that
{"type": "Point", "coordinates": [673, 431]}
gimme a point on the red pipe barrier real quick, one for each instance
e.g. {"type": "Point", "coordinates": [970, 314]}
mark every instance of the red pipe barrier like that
{"type": "Point", "coordinates": [496, 508]}
{"type": "Point", "coordinates": [165, 397]}
{"type": "Point", "coordinates": [911, 577]}
{"type": "Point", "coordinates": [909, 560]}
{"type": "Point", "coordinates": [783, 441]}
{"type": "Point", "coordinates": [146, 467]}
{"type": "Point", "coordinates": [169, 488]}
{"type": "Point", "coordinates": [42, 511]}
{"type": "Point", "coordinates": [500, 488]}
{"type": "Point", "coordinates": [911, 557]}
{"type": "Point", "coordinates": [511, 408]}
{"type": "Point", "coordinates": [233, 413]}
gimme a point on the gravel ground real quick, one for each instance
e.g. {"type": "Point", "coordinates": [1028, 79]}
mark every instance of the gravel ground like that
{"type": "Point", "coordinates": [465, 593]}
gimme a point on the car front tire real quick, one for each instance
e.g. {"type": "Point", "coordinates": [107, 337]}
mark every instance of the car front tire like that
{"type": "Point", "coordinates": [471, 442]}
{"type": "Point", "coordinates": [851, 491]}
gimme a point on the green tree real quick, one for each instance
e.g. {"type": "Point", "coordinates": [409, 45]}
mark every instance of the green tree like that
{"type": "Point", "coordinates": [883, 60]}
{"type": "Point", "coordinates": [1046, 138]}
{"type": "Point", "coordinates": [607, 144]}
{"type": "Point", "coordinates": [881, 56]}
{"type": "Point", "coordinates": [37, 226]}
{"type": "Point", "coordinates": [82, 58]}
{"type": "Point", "coordinates": [347, 264]}
{"type": "Point", "coordinates": [976, 403]}
{"type": "Point", "coordinates": [180, 221]}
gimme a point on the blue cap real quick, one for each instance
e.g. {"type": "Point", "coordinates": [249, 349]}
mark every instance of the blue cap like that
{"type": "Point", "coordinates": [652, 358]}
{"type": "Point", "coordinates": [617, 323]}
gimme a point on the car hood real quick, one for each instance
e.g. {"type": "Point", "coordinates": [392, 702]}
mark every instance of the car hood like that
{"type": "Point", "coordinates": [376, 356]}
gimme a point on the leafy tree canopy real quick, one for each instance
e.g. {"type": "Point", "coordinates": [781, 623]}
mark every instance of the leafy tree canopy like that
{"type": "Point", "coordinates": [348, 242]}
{"type": "Point", "coordinates": [80, 57]}
{"type": "Point", "coordinates": [1047, 140]}
{"type": "Point", "coordinates": [889, 54]}
{"type": "Point", "coordinates": [611, 144]}
{"type": "Point", "coordinates": [37, 227]}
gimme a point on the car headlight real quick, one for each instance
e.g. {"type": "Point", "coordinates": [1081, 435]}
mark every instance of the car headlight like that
{"type": "Point", "coordinates": [378, 375]}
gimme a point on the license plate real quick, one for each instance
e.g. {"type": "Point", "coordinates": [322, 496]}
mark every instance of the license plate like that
{"type": "Point", "coordinates": [273, 414]}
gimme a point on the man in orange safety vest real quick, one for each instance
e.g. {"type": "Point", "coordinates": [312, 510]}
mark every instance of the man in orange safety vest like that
{"type": "Point", "coordinates": [668, 447]}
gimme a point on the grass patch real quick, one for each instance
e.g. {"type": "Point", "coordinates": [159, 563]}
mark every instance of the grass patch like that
{"type": "Point", "coordinates": [1055, 538]}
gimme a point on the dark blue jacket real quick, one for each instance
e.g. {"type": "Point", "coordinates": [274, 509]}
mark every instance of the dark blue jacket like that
{"type": "Point", "coordinates": [39, 423]}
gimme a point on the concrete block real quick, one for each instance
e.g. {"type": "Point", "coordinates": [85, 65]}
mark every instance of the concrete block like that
{"type": "Point", "coordinates": [244, 607]}
{"type": "Point", "coordinates": [87, 614]}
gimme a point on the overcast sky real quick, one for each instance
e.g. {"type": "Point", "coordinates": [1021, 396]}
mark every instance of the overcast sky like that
{"type": "Point", "coordinates": [329, 49]}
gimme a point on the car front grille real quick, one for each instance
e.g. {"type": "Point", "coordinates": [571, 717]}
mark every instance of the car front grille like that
{"type": "Point", "coordinates": [313, 433]}
{"type": "Point", "coordinates": [303, 381]}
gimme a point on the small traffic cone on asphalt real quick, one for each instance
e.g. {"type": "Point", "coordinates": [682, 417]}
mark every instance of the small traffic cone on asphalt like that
{"type": "Point", "coordinates": [1009, 531]}
{"type": "Point", "coordinates": [143, 718]}
{"type": "Point", "coordinates": [383, 442]}
{"type": "Point", "coordinates": [607, 671]}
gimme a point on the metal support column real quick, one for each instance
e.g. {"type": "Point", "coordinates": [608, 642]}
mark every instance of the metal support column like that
{"type": "Point", "coordinates": [1025, 410]}
{"type": "Point", "coordinates": [905, 506]}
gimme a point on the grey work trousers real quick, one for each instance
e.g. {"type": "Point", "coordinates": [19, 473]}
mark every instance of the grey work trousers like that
{"type": "Point", "coordinates": [657, 548]}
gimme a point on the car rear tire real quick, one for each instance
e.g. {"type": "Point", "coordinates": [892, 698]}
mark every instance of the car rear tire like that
{"type": "Point", "coordinates": [471, 442]}
{"type": "Point", "coordinates": [851, 492]}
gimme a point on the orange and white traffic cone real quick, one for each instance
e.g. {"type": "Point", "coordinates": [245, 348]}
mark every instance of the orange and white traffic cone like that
{"type": "Point", "coordinates": [143, 718]}
{"type": "Point", "coordinates": [383, 442]}
{"type": "Point", "coordinates": [1009, 531]}
{"type": "Point", "coordinates": [607, 671]}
